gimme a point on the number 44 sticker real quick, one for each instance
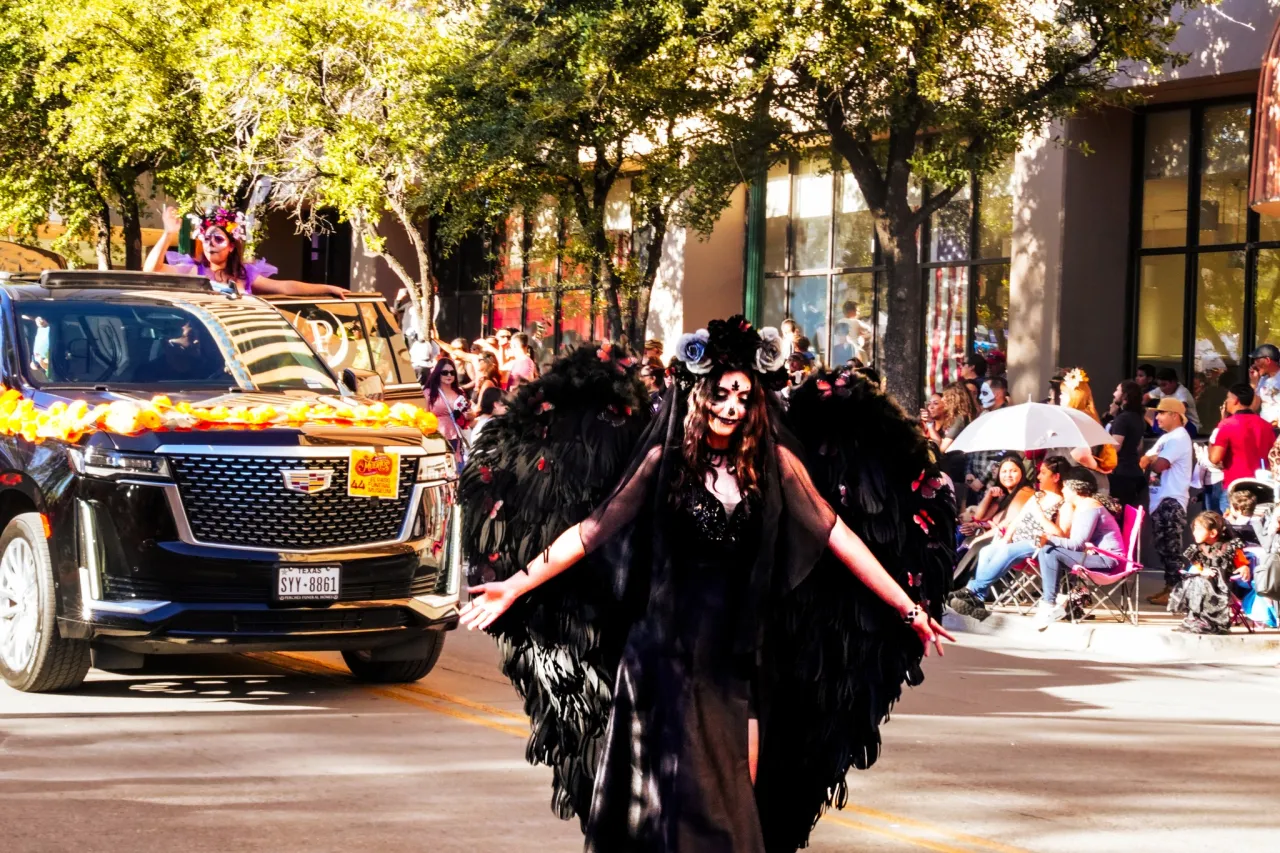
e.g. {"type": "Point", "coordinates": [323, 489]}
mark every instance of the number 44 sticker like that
{"type": "Point", "coordinates": [373, 474]}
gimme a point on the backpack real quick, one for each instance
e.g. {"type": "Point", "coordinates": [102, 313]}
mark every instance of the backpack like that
{"type": "Point", "coordinates": [1266, 579]}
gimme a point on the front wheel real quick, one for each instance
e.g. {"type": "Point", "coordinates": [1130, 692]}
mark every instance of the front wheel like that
{"type": "Point", "coordinates": [34, 657]}
{"type": "Point", "coordinates": [365, 668]}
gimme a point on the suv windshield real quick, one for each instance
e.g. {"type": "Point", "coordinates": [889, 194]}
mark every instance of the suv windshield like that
{"type": "Point", "coordinates": [165, 342]}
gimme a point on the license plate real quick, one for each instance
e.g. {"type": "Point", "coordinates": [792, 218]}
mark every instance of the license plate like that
{"type": "Point", "coordinates": [308, 583]}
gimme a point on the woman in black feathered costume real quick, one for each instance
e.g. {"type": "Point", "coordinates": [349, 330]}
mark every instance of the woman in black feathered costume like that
{"type": "Point", "coordinates": [727, 646]}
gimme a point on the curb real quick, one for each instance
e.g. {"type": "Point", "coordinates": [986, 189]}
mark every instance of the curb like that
{"type": "Point", "coordinates": [1153, 643]}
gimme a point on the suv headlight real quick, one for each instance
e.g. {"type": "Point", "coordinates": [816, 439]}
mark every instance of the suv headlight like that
{"type": "Point", "coordinates": [116, 465]}
{"type": "Point", "coordinates": [433, 469]}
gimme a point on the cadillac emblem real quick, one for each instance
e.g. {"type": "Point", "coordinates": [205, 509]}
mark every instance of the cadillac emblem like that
{"type": "Point", "coordinates": [307, 482]}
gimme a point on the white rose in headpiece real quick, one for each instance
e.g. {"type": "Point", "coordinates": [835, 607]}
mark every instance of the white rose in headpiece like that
{"type": "Point", "coordinates": [769, 357]}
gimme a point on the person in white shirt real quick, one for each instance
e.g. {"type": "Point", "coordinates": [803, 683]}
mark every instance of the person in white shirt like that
{"type": "Point", "coordinates": [1265, 361]}
{"type": "Point", "coordinates": [1171, 459]}
{"type": "Point", "coordinates": [1167, 385]}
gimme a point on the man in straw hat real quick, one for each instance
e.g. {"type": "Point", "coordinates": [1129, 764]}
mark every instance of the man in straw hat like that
{"type": "Point", "coordinates": [1169, 463]}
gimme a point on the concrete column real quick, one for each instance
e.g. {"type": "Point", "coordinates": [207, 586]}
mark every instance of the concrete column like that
{"type": "Point", "coordinates": [1035, 277]}
{"type": "Point", "coordinates": [701, 276]}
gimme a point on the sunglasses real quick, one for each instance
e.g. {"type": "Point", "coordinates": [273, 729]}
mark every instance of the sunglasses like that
{"type": "Point", "coordinates": [447, 373]}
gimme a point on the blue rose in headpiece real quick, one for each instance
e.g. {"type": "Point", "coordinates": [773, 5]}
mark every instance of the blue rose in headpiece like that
{"type": "Point", "coordinates": [692, 350]}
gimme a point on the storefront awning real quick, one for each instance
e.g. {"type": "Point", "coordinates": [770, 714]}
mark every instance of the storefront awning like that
{"type": "Point", "coordinates": [1264, 178]}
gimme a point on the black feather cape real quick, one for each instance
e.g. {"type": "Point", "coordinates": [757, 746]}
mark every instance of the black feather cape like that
{"type": "Point", "coordinates": [832, 656]}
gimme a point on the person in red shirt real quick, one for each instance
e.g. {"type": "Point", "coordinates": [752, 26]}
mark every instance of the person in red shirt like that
{"type": "Point", "coordinates": [1242, 440]}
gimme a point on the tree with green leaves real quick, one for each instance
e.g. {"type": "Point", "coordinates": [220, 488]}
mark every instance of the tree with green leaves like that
{"type": "Point", "coordinates": [97, 100]}
{"type": "Point", "coordinates": [907, 91]}
{"type": "Point", "coordinates": [565, 102]}
{"type": "Point", "coordinates": [333, 102]}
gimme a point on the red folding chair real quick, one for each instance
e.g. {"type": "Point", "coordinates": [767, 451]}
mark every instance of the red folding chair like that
{"type": "Point", "coordinates": [1113, 591]}
{"type": "Point", "coordinates": [1020, 588]}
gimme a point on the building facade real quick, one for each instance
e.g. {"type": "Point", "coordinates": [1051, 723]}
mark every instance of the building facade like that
{"type": "Point", "coordinates": [1142, 250]}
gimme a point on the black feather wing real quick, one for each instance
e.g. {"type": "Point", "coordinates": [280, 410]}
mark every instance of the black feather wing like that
{"type": "Point", "coordinates": [837, 656]}
{"type": "Point", "coordinates": [564, 443]}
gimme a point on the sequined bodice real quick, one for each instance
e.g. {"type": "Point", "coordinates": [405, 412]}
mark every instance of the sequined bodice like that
{"type": "Point", "coordinates": [708, 526]}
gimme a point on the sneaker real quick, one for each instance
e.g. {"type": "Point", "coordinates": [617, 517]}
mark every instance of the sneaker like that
{"type": "Point", "coordinates": [1161, 598]}
{"type": "Point", "coordinates": [1046, 614]}
{"type": "Point", "coordinates": [966, 603]}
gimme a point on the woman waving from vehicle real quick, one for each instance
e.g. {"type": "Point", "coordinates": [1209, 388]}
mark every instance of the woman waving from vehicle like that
{"type": "Point", "coordinates": [219, 255]}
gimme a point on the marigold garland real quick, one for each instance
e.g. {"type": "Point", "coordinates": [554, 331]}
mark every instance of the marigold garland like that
{"type": "Point", "coordinates": [70, 422]}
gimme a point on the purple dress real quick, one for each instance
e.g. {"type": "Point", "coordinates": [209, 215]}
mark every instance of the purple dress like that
{"type": "Point", "coordinates": [187, 265]}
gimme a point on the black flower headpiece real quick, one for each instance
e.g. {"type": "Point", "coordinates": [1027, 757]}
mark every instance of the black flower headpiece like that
{"type": "Point", "coordinates": [731, 344]}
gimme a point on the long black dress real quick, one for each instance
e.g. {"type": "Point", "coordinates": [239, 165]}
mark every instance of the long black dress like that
{"type": "Point", "coordinates": [640, 666]}
{"type": "Point", "coordinates": [674, 776]}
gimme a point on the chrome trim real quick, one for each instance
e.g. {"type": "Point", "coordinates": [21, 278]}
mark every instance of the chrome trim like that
{"type": "Point", "coordinates": [437, 600]}
{"type": "Point", "coordinates": [91, 605]}
{"type": "Point", "coordinates": [325, 451]}
{"type": "Point", "coordinates": [185, 534]}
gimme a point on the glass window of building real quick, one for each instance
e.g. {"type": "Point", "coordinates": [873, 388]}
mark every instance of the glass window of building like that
{"type": "Point", "coordinates": [822, 267]}
{"type": "Point", "coordinates": [1203, 259]}
{"type": "Point", "coordinates": [540, 283]}
{"type": "Point", "coordinates": [966, 260]}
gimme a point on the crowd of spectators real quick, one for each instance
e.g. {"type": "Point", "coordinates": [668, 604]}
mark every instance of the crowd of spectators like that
{"type": "Point", "coordinates": [1214, 451]}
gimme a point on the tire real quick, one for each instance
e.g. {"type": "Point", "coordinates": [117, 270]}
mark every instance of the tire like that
{"type": "Point", "coordinates": [364, 668]}
{"type": "Point", "coordinates": [34, 657]}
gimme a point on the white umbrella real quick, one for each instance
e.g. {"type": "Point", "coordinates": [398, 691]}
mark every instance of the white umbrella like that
{"type": "Point", "coordinates": [1032, 426]}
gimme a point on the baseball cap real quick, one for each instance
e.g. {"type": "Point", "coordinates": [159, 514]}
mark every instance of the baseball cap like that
{"type": "Point", "coordinates": [1169, 404]}
{"type": "Point", "coordinates": [1266, 351]}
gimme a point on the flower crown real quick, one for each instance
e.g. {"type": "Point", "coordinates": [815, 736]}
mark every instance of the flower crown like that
{"type": "Point", "coordinates": [1075, 378]}
{"type": "Point", "coordinates": [231, 221]}
{"type": "Point", "coordinates": [732, 345]}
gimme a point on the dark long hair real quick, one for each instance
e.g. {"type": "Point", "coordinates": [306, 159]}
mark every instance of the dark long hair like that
{"type": "Point", "coordinates": [432, 386]}
{"type": "Point", "coordinates": [1131, 393]}
{"type": "Point", "coordinates": [234, 270]}
{"type": "Point", "coordinates": [487, 368]}
{"type": "Point", "coordinates": [745, 444]}
{"type": "Point", "coordinates": [1018, 459]}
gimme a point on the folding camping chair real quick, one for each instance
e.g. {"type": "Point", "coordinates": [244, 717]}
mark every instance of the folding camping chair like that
{"type": "Point", "coordinates": [1114, 591]}
{"type": "Point", "coordinates": [1020, 588]}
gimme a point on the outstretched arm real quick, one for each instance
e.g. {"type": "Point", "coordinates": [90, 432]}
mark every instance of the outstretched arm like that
{"type": "Point", "coordinates": [492, 599]}
{"type": "Point", "coordinates": [803, 498]}
{"type": "Point", "coordinates": [284, 287]}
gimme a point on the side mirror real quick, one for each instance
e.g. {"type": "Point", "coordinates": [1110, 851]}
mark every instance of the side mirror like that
{"type": "Point", "coordinates": [364, 383]}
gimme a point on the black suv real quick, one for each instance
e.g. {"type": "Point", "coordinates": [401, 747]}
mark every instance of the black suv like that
{"type": "Point", "coordinates": [216, 540]}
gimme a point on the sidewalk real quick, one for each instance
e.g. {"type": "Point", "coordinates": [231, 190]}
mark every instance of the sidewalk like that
{"type": "Point", "coordinates": [1152, 640]}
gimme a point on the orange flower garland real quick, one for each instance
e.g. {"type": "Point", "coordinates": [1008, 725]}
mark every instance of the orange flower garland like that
{"type": "Point", "coordinates": [70, 422]}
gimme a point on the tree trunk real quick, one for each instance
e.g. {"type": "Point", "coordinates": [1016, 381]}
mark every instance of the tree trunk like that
{"type": "Point", "coordinates": [422, 291]}
{"type": "Point", "coordinates": [904, 337]}
{"type": "Point", "coordinates": [652, 262]}
{"type": "Point", "coordinates": [102, 236]}
{"type": "Point", "coordinates": [131, 222]}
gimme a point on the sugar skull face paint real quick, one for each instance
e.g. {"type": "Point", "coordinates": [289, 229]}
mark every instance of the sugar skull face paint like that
{"type": "Point", "coordinates": [729, 403]}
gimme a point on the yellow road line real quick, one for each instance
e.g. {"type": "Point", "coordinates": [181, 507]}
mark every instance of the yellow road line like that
{"type": "Point", "coordinates": [314, 666]}
{"type": "Point", "coordinates": [421, 690]}
{"type": "Point", "coordinates": [444, 703]}
{"type": "Point", "coordinates": [971, 840]}
{"type": "Point", "coordinates": [896, 836]}
{"type": "Point", "coordinates": [442, 708]}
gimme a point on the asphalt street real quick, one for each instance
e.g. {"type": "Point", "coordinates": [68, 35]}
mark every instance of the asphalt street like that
{"type": "Point", "coordinates": [999, 751]}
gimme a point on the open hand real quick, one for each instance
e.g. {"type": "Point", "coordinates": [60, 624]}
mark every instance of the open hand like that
{"type": "Point", "coordinates": [490, 601]}
{"type": "Point", "coordinates": [929, 631]}
{"type": "Point", "coordinates": [171, 219]}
